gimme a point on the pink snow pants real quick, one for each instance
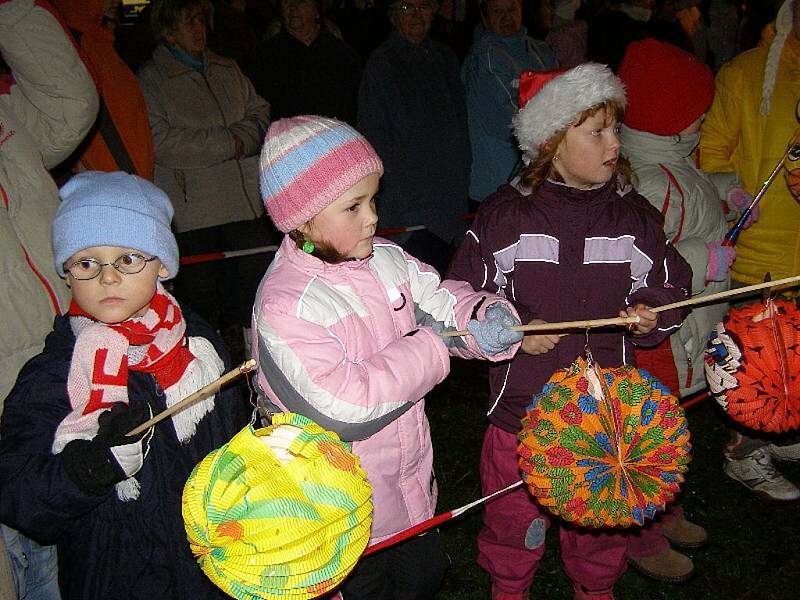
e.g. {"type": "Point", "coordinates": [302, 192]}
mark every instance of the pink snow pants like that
{"type": "Point", "coordinates": [511, 543]}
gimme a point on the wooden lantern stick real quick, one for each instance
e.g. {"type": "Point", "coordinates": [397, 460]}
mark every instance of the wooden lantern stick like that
{"type": "Point", "coordinates": [710, 299]}
{"type": "Point", "coordinates": [203, 392]}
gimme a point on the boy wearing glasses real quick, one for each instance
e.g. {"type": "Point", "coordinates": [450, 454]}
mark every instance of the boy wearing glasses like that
{"type": "Point", "coordinates": [69, 474]}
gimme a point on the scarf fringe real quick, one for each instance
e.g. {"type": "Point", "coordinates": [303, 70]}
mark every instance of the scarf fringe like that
{"type": "Point", "coordinates": [206, 367]}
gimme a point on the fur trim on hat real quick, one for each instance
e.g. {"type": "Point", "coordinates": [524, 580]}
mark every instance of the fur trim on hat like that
{"type": "Point", "coordinates": [557, 105]}
{"type": "Point", "coordinates": [784, 24]}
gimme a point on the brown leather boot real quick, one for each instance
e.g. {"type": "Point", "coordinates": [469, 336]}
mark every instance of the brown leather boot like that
{"type": "Point", "coordinates": [669, 566]}
{"type": "Point", "coordinates": [682, 533]}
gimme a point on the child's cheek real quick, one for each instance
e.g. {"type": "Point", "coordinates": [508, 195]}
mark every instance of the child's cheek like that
{"type": "Point", "coordinates": [344, 239]}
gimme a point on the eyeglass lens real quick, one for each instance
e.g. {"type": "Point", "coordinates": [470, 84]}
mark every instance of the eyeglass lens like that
{"type": "Point", "coordinates": [127, 264]}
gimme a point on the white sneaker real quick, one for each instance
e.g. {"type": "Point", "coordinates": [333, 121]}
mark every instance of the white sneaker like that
{"type": "Point", "coordinates": [790, 452]}
{"type": "Point", "coordinates": [756, 472]}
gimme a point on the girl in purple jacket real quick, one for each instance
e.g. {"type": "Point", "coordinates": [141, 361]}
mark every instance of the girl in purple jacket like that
{"type": "Point", "coordinates": [572, 241]}
{"type": "Point", "coordinates": [346, 332]}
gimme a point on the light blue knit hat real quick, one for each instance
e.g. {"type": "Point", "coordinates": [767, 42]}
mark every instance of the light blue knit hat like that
{"type": "Point", "coordinates": [114, 209]}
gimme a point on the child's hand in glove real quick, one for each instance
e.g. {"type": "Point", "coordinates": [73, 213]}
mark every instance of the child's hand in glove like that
{"type": "Point", "coordinates": [493, 333]}
{"type": "Point", "coordinates": [425, 319]}
{"type": "Point", "coordinates": [720, 259]}
{"type": "Point", "coordinates": [111, 456]}
{"type": "Point", "coordinates": [738, 200]}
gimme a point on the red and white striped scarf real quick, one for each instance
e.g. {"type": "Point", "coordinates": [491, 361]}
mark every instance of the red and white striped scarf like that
{"type": "Point", "coordinates": [154, 343]}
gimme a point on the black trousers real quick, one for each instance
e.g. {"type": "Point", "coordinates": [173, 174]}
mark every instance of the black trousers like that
{"type": "Point", "coordinates": [412, 570]}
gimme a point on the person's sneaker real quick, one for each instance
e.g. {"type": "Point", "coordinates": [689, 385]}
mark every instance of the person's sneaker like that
{"type": "Point", "coordinates": [500, 595]}
{"type": "Point", "coordinates": [790, 452]}
{"type": "Point", "coordinates": [581, 593]}
{"type": "Point", "coordinates": [669, 566]}
{"type": "Point", "coordinates": [756, 472]}
{"type": "Point", "coordinates": [683, 533]}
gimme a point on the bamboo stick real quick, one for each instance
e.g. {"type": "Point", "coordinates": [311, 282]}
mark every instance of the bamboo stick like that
{"type": "Point", "coordinates": [559, 326]}
{"type": "Point", "coordinates": [711, 298]}
{"type": "Point", "coordinates": [203, 392]}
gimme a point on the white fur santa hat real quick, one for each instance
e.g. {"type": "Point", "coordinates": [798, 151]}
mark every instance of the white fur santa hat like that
{"type": "Point", "coordinates": [558, 100]}
{"type": "Point", "coordinates": [784, 24]}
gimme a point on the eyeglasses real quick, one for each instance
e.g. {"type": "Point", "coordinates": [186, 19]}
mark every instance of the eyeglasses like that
{"type": "Point", "coordinates": [425, 8]}
{"type": "Point", "coordinates": [127, 264]}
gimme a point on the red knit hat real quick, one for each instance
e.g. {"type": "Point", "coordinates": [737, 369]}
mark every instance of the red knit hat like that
{"type": "Point", "coordinates": [668, 88]}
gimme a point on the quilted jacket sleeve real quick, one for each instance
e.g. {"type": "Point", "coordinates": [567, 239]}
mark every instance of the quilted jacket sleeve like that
{"type": "Point", "coordinates": [721, 129]}
{"type": "Point", "coordinates": [49, 89]}
{"type": "Point", "coordinates": [36, 495]}
{"type": "Point", "coordinates": [455, 302]}
{"type": "Point", "coordinates": [312, 372]}
{"type": "Point", "coordinates": [668, 280]}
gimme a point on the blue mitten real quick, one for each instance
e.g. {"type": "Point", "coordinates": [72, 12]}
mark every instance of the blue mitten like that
{"type": "Point", "coordinates": [493, 333]}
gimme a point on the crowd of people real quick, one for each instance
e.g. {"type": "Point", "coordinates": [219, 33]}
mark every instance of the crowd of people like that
{"type": "Point", "coordinates": [533, 161]}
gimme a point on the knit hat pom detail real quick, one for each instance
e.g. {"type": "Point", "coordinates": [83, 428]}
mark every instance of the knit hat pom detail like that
{"type": "Point", "coordinates": [784, 23]}
{"type": "Point", "coordinates": [560, 101]}
{"type": "Point", "coordinates": [306, 163]}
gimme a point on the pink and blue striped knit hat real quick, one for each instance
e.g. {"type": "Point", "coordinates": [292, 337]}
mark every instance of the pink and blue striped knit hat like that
{"type": "Point", "coordinates": [307, 162]}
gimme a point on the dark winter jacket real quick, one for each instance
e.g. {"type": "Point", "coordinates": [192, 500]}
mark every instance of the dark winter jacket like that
{"type": "Point", "coordinates": [564, 254]}
{"type": "Point", "coordinates": [107, 548]}
{"type": "Point", "coordinates": [318, 79]}
{"type": "Point", "coordinates": [412, 109]}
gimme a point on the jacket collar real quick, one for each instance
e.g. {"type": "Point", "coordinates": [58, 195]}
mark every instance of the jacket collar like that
{"type": "Point", "coordinates": [565, 196]}
{"type": "Point", "coordinates": [175, 68]}
{"type": "Point", "coordinates": [642, 146]}
{"type": "Point", "coordinates": [315, 266]}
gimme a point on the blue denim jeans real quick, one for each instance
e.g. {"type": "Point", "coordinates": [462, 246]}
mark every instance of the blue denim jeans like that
{"type": "Point", "coordinates": [35, 567]}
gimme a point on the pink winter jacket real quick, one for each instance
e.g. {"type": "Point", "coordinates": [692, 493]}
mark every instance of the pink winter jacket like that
{"type": "Point", "coordinates": [341, 345]}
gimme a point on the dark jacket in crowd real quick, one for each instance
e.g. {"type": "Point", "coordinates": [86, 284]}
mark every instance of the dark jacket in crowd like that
{"type": "Point", "coordinates": [363, 28]}
{"type": "Point", "coordinates": [412, 109]}
{"type": "Point", "coordinates": [107, 548]}
{"type": "Point", "coordinates": [319, 79]}
{"type": "Point", "coordinates": [565, 254]}
{"type": "Point", "coordinates": [609, 34]}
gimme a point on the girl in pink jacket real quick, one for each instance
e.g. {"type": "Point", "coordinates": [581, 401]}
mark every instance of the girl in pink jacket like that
{"type": "Point", "coordinates": [346, 332]}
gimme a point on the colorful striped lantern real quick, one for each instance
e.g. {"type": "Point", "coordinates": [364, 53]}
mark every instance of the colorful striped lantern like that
{"type": "Point", "coordinates": [604, 447]}
{"type": "Point", "coordinates": [282, 512]}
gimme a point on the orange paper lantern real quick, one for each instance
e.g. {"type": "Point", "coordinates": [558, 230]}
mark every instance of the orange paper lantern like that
{"type": "Point", "coordinates": [604, 447]}
{"type": "Point", "coordinates": [752, 365]}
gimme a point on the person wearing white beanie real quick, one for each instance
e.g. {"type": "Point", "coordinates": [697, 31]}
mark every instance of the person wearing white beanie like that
{"type": "Point", "coordinates": [751, 122]}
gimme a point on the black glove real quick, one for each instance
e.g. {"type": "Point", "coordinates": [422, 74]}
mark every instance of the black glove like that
{"type": "Point", "coordinates": [111, 456]}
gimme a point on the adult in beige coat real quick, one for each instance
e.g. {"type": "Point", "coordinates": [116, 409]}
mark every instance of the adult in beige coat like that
{"type": "Point", "coordinates": [47, 104]}
{"type": "Point", "coordinates": [208, 124]}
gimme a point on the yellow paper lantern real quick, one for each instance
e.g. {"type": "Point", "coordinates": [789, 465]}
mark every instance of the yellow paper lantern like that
{"type": "Point", "coordinates": [282, 512]}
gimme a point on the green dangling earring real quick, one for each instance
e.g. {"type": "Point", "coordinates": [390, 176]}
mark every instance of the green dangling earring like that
{"type": "Point", "coordinates": [308, 247]}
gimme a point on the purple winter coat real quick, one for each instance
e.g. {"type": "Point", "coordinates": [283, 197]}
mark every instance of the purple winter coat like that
{"type": "Point", "coordinates": [563, 254]}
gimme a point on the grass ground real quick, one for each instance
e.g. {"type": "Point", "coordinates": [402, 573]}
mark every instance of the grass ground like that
{"type": "Point", "coordinates": [754, 551]}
